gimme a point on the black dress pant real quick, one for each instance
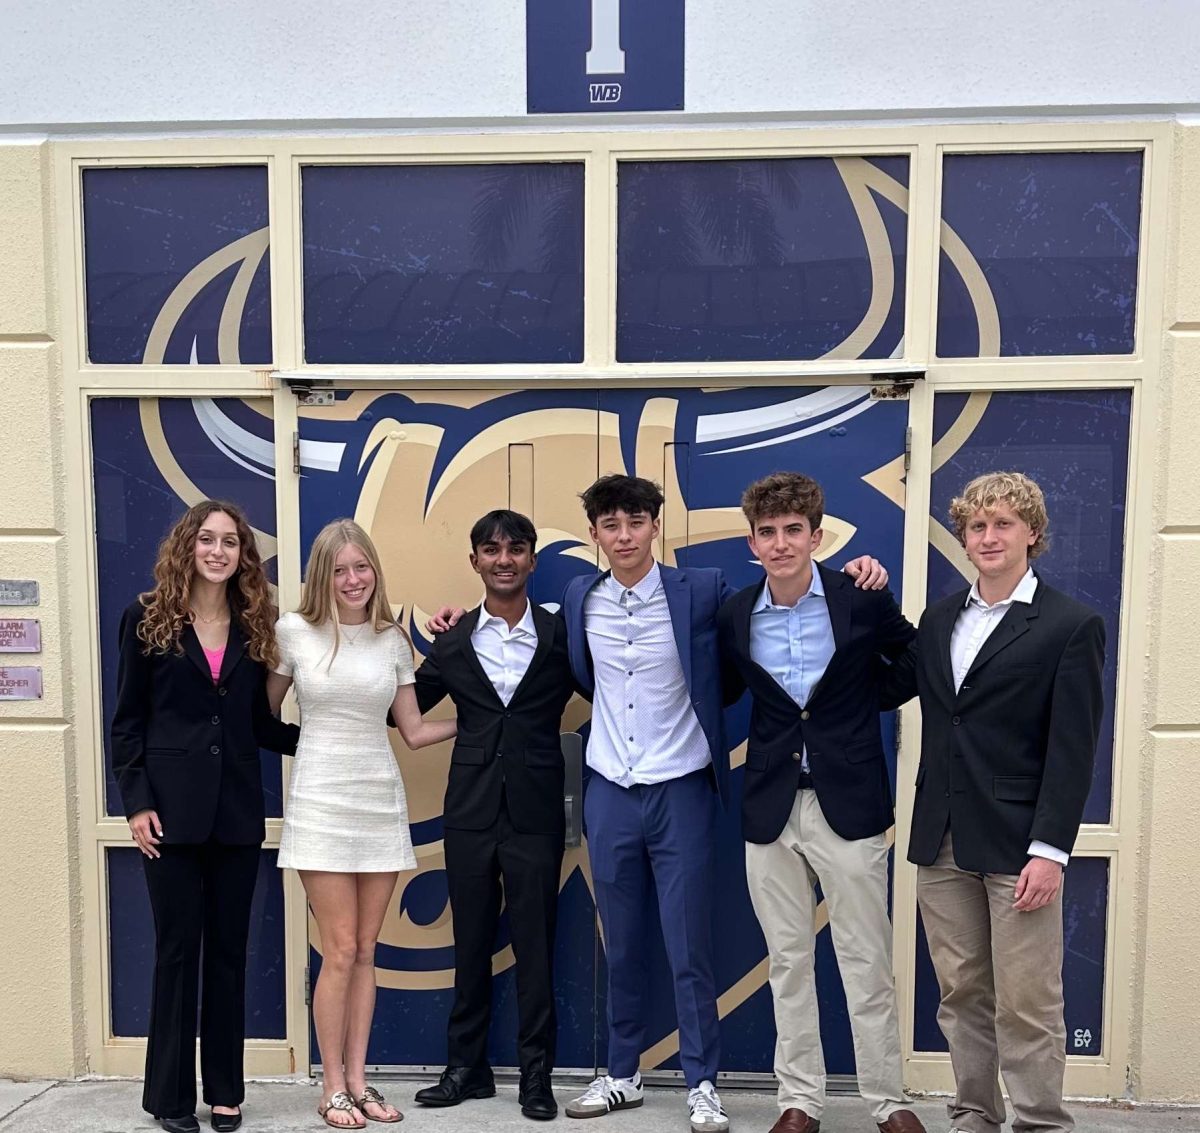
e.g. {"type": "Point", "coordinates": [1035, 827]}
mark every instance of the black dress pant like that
{"type": "Point", "coordinates": [201, 900]}
{"type": "Point", "coordinates": [529, 864]}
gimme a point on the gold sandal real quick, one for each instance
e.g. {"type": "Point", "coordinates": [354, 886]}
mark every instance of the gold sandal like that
{"type": "Point", "coordinates": [371, 1096]}
{"type": "Point", "coordinates": [345, 1103]}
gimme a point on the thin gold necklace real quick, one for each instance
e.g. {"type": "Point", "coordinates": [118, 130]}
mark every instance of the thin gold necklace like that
{"type": "Point", "coordinates": [198, 617]}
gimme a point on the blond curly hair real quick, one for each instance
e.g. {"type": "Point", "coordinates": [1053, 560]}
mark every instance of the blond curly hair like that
{"type": "Point", "coordinates": [1016, 490]}
{"type": "Point", "coordinates": [168, 605]}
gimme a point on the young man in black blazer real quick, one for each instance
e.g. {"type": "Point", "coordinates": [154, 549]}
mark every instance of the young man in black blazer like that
{"type": "Point", "coordinates": [817, 803]}
{"type": "Point", "coordinates": [505, 667]}
{"type": "Point", "coordinates": [1010, 678]}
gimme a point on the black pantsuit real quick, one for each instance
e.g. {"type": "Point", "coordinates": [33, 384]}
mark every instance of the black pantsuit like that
{"type": "Point", "coordinates": [187, 747]}
{"type": "Point", "coordinates": [200, 895]}
{"type": "Point", "coordinates": [503, 822]}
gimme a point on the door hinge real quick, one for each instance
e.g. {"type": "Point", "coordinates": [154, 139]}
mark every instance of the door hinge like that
{"type": "Point", "coordinates": [296, 453]}
{"type": "Point", "coordinates": [907, 448]}
{"type": "Point", "coordinates": [307, 986]}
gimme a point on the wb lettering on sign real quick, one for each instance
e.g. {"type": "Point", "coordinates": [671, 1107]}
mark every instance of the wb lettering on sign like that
{"type": "Point", "coordinates": [604, 92]}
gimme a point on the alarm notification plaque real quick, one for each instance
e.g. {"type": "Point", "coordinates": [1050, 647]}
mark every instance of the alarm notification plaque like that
{"type": "Point", "coordinates": [20, 635]}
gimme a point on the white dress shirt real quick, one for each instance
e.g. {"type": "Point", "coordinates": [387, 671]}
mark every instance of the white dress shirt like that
{"type": "Point", "coordinates": [794, 644]}
{"type": "Point", "coordinates": [644, 729]}
{"type": "Point", "coordinates": [974, 626]}
{"type": "Point", "coordinates": [504, 653]}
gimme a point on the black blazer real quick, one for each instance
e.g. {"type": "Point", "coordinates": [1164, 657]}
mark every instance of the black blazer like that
{"type": "Point", "coordinates": [1008, 758]}
{"type": "Point", "coordinates": [840, 723]}
{"type": "Point", "coordinates": [500, 752]}
{"type": "Point", "coordinates": [188, 748]}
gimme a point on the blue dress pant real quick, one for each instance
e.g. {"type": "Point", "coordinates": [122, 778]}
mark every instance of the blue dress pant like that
{"type": "Point", "coordinates": [642, 841]}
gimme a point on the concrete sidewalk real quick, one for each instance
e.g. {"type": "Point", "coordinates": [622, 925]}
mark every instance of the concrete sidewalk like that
{"type": "Point", "coordinates": [287, 1107]}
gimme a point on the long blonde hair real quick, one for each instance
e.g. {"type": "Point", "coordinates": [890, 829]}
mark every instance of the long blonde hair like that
{"type": "Point", "coordinates": [319, 606]}
{"type": "Point", "coordinates": [168, 605]}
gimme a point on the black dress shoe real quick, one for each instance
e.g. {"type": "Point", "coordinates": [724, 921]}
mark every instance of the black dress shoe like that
{"type": "Point", "coordinates": [226, 1122]}
{"type": "Point", "coordinates": [187, 1124]}
{"type": "Point", "coordinates": [457, 1084]}
{"type": "Point", "coordinates": [536, 1096]}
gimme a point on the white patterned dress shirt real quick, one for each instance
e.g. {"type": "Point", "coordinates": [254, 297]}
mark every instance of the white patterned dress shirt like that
{"type": "Point", "coordinates": [644, 729]}
{"type": "Point", "coordinates": [974, 626]}
{"type": "Point", "coordinates": [504, 653]}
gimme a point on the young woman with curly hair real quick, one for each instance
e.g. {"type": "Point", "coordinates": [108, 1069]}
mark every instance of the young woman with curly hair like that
{"type": "Point", "coordinates": [345, 827]}
{"type": "Point", "coordinates": [191, 715]}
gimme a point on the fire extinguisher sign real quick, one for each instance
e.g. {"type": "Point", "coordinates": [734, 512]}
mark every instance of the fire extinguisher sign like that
{"type": "Point", "coordinates": [606, 55]}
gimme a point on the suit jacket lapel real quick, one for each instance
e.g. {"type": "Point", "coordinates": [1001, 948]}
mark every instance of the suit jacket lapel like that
{"type": "Point", "coordinates": [195, 651]}
{"type": "Point", "coordinates": [943, 630]}
{"type": "Point", "coordinates": [679, 602]}
{"type": "Point", "coordinates": [544, 624]}
{"type": "Point", "coordinates": [235, 648]}
{"type": "Point", "coordinates": [1014, 623]}
{"type": "Point", "coordinates": [838, 601]}
{"type": "Point", "coordinates": [460, 635]}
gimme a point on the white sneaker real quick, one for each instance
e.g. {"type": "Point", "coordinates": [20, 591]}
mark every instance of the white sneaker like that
{"type": "Point", "coordinates": [704, 1106]}
{"type": "Point", "coordinates": [606, 1094]}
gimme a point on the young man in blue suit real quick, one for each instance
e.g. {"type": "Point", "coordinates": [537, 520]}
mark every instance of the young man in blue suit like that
{"type": "Point", "coordinates": [642, 639]}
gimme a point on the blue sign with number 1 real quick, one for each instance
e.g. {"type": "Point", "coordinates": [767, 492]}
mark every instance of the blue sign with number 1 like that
{"type": "Point", "coordinates": [583, 55]}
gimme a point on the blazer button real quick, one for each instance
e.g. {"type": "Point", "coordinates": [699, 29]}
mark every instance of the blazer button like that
{"type": "Point", "coordinates": [507, 715]}
{"type": "Point", "coordinates": [954, 719]}
{"type": "Point", "coordinates": [214, 750]}
{"type": "Point", "coordinates": [222, 691]}
{"type": "Point", "coordinates": [216, 719]}
{"type": "Point", "coordinates": [797, 756]}
{"type": "Point", "coordinates": [804, 714]}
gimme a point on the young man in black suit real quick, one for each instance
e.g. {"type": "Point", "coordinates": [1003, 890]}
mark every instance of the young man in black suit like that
{"type": "Point", "coordinates": [505, 667]}
{"type": "Point", "coordinates": [1010, 678]}
{"type": "Point", "coordinates": [817, 803]}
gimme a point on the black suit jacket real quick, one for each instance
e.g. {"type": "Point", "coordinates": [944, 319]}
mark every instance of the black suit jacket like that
{"type": "Point", "coordinates": [1007, 759]}
{"type": "Point", "coordinates": [840, 723]}
{"type": "Point", "coordinates": [188, 748]}
{"type": "Point", "coordinates": [502, 752]}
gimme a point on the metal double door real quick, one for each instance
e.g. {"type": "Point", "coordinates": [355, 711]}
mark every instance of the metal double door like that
{"type": "Point", "coordinates": [416, 468]}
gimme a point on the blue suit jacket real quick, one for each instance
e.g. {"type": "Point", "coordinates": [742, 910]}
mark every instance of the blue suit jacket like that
{"type": "Point", "coordinates": [693, 596]}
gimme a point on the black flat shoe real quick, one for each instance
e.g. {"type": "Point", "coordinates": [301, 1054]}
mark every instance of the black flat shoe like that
{"type": "Point", "coordinates": [458, 1084]}
{"type": "Point", "coordinates": [187, 1124]}
{"type": "Point", "coordinates": [226, 1122]}
{"type": "Point", "coordinates": [536, 1096]}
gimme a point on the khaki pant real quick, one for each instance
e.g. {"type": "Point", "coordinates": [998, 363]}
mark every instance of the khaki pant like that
{"type": "Point", "coordinates": [853, 877]}
{"type": "Point", "coordinates": [1000, 974]}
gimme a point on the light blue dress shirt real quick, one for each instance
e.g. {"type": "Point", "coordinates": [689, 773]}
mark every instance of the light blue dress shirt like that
{"type": "Point", "coordinates": [793, 643]}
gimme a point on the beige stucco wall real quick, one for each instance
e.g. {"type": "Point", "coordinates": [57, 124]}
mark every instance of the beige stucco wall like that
{"type": "Point", "coordinates": [1166, 1050]}
{"type": "Point", "coordinates": [41, 1001]}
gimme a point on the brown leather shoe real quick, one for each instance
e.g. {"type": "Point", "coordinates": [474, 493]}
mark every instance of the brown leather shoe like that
{"type": "Point", "coordinates": [795, 1121]}
{"type": "Point", "coordinates": [902, 1121]}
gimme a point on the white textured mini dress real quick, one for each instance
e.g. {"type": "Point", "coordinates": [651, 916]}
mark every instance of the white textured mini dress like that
{"type": "Point", "coordinates": [346, 808]}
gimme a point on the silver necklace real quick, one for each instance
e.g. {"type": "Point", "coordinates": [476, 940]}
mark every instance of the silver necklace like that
{"type": "Point", "coordinates": [352, 638]}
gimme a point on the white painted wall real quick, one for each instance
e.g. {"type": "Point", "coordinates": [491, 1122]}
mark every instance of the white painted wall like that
{"type": "Point", "coordinates": [297, 62]}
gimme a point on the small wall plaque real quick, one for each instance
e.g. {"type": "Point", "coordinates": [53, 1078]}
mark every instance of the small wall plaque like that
{"type": "Point", "coordinates": [18, 592]}
{"type": "Point", "coordinates": [20, 635]}
{"type": "Point", "coordinates": [21, 684]}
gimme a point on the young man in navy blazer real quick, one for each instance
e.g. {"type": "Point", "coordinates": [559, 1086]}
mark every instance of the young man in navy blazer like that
{"type": "Point", "coordinates": [817, 802]}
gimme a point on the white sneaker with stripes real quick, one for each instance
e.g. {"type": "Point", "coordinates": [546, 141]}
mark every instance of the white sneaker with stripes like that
{"type": "Point", "coordinates": [606, 1094]}
{"type": "Point", "coordinates": [705, 1109]}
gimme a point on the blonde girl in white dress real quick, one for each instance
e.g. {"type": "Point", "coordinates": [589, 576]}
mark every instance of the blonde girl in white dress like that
{"type": "Point", "coordinates": [345, 828]}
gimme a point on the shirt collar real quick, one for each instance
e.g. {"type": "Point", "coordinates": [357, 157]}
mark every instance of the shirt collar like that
{"type": "Point", "coordinates": [644, 590]}
{"type": "Point", "coordinates": [1023, 593]}
{"type": "Point", "coordinates": [766, 602]}
{"type": "Point", "coordinates": [525, 625]}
